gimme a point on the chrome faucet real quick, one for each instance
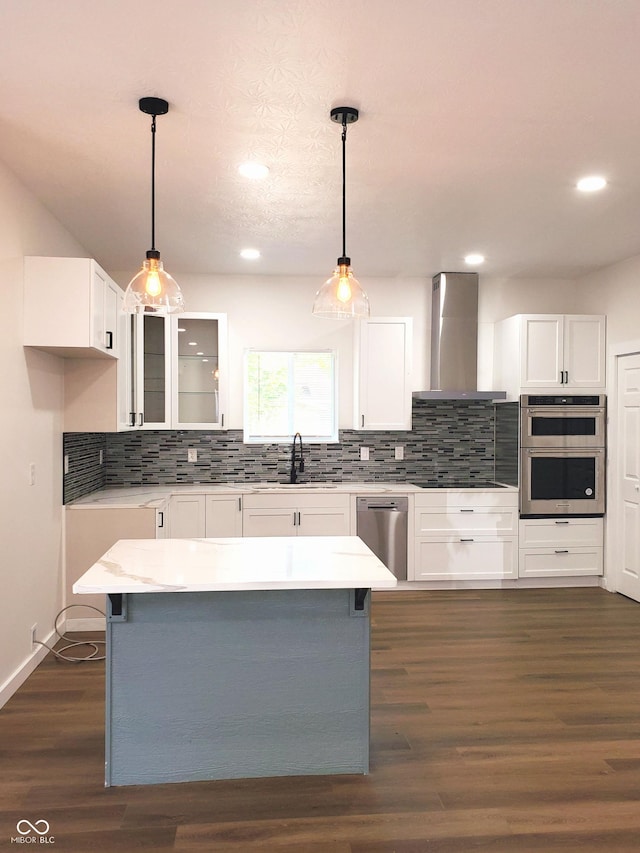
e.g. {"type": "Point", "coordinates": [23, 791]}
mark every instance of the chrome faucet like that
{"type": "Point", "coordinates": [293, 475]}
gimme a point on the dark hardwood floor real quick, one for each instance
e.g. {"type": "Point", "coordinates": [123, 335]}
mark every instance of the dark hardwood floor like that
{"type": "Point", "coordinates": [503, 721]}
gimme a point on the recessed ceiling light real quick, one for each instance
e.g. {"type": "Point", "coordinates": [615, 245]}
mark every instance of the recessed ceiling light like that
{"type": "Point", "coordinates": [591, 184]}
{"type": "Point", "coordinates": [250, 254]}
{"type": "Point", "coordinates": [193, 343]}
{"type": "Point", "coordinates": [199, 353]}
{"type": "Point", "coordinates": [255, 171]}
{"type": "Point", "coordinates": [181, 329]}
{"type": "Point", "coordinates": [474, 259]}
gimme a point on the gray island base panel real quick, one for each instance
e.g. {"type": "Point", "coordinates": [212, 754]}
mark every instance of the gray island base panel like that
{"type": "Point", "coordinates": [236, 684]}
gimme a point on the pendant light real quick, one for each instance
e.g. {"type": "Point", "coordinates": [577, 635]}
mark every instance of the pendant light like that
{"type": "Point", "coordinates": [341, 296]}
{"type": "Point", "coordinates": [153, 290]}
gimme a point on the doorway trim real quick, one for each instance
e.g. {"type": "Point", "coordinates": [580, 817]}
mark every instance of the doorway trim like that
{"type": "Point", "coordinates": [613, 516]}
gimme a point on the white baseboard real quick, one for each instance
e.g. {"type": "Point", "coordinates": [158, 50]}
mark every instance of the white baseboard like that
{"type": "Point", "coordinates": [507, 583]}
{"type": "Point", "coordinates": [18, 678]}
{"type": "Point", "coordinates": [91, 623]}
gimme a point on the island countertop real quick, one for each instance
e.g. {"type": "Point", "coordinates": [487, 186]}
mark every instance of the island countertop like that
{"type": "Point", "coordinates": [253, 563]}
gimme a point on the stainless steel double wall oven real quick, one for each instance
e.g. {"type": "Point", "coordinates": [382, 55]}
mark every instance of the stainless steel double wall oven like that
{"type": "Point", "coordinates": [562, 455]}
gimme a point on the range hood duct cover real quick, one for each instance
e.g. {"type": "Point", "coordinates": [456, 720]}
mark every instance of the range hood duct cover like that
{"type": "Point", "coordinates": [454, 340]}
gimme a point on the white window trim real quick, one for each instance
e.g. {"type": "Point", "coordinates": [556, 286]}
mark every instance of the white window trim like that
{"type": "Point", "coordinates": [286, 439]}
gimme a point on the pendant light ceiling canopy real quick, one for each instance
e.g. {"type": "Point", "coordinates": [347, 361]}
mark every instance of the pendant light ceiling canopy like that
{"type": "Point", "coordinates": [153, 290]}
{"type": "Point", "coordinates": [341, 296]}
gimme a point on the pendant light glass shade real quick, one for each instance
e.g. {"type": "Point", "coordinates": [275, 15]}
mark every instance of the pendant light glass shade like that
{"type": "Point", "coordinates": [153, 290]}
{"type": "Point", "coordinates": [341, 296]}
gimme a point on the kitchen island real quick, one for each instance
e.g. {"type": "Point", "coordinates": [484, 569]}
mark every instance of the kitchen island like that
{"type": "Point", "coordinates": [233, 658]}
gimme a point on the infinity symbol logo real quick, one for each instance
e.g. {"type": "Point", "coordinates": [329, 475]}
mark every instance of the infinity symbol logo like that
{"type": "Point", "coordinates": [32, 827]}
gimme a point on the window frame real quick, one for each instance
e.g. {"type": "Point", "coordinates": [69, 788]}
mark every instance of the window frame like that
{"type": "Point", "coordinates": [331, 438]}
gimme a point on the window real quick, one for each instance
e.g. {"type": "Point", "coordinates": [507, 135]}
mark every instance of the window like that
{"type": "Point", "coordinates": [289, 392]}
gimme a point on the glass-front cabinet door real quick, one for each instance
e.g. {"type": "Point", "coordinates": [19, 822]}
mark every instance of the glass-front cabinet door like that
{"type": "Point", "coordinates": [199, 370]}
{"type": "Point", "coordinates": [151, 371]}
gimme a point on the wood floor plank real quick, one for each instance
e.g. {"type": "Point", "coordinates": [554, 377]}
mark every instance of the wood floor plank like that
{"type": "Point", "coordinates": [501, 721]}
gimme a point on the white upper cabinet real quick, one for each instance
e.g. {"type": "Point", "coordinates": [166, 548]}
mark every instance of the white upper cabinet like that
{"type": "Point", "coordinates": [152, 386]}
{"type": "Point", "coordinates": [382, 358]}
{"type": "Point", "coordinates": [550, 353]}
{"type": "Point", "coordinates": [71, 307]}
{"type": "Point", "coordinates": [151, 371]}
{"type": "Point", "coordinates": [199, 370]}
{"type": "Point", "coordinates": [175, 373]}
{"type": "Point", "coordinates": [584, 351]}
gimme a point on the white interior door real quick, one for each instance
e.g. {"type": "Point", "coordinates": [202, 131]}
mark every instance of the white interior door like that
{"type": "Point", "coordinates": [628, 475]}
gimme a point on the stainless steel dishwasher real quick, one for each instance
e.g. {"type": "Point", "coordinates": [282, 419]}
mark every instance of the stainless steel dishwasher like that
{"type": "Point", "coordinates": [382, 525]}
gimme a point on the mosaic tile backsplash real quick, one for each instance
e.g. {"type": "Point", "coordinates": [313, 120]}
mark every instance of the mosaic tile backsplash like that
{"type": "Point", "coordinates": [507, 435]}
{"type": "Point", "coordinates": [86, 474]}
{"type": "Point", "coordinates": [451, 442]}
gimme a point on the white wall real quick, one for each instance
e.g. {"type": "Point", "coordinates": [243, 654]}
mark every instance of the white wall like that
{"type": "Point", "coordinates": [30, 431]}
{"type": "Point", "coordinates": [615, 291]}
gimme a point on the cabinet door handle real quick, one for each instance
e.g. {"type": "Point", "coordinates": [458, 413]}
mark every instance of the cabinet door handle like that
{"type": "Point", "coordinates": [466, 510]}
{"type": "Point", "coordinates": [566, 377]}
{"type": "Point", "coordinates": [161, 517]}
{"type": "Point", "coordinates": [239, 504]}
{"type": "Point", "coordinates": [222, 421]}
{"type": "Point", "coordinates": [132, 419]}
{"type": "Point", "coordinates": [562, 522]}
{"type": "Point", "coordinates": [109, 336]}
{"type": "Point", "coordinates": [295, 523]}
{"type": "Point", "coordinates": [562, 552]}
{"type": "Point", "coordinates": [141, 419]}
{"type": "Point", "coordinates": [362, 421]}
{"type": "Point", "coordinates": [466, 540]}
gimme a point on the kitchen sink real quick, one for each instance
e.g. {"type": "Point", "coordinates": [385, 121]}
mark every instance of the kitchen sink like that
{"type": "Point", "coordinates": [273, 486]}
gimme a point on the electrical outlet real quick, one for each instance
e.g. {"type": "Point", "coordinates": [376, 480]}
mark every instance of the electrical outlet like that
{"type": "Point", "coordinates": [101, 456]}
{"type": "Point", "coordinates": [34, 633]}
{"type": "Point", "coordinates": [399, 453]}
{"type": "Point", "coordinates": [192, 454]}
{"type": "Point", "coordinates": [66, 463]}
{"type": "Point", "coordinates": [364, 454]}
{"type": "Point", "coordinates": [32, 474]}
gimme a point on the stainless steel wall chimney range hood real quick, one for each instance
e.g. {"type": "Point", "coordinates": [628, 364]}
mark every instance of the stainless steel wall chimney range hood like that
{"type": "Point", "coordinates": [454, 340]}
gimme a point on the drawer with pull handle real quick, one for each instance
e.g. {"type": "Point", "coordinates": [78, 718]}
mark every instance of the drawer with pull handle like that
{"type": "Point", "coordinates": [560, 562]}
{"type": "Point", "coordinates": [487, 521]}
{"type": "Point", "coordinates": [560, 532]}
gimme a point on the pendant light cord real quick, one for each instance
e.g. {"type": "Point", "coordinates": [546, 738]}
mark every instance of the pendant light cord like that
{"type": "Point", "coordinates": [344, 186]}
{"type": "Point", "coordinates": [153, 183]}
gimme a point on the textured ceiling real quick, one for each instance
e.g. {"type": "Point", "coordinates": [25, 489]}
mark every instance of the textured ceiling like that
{"type": "Point", "coordinates": [477, 117]}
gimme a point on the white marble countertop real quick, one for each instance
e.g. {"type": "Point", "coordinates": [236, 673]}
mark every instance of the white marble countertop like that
{"type": "Point", "coordinates": [154, 496]}
{"type": "Point", "coordinates": [199, 565]}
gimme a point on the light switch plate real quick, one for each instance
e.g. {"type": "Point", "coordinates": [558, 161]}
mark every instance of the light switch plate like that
{"type": "Point", "coordinates": [399, 453]}
{"type": "Point", "coordinates": [192, 454]}
{"type": "Point", "coordinates": [364, 454]}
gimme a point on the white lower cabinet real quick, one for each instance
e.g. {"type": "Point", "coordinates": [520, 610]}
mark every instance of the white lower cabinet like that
{"type": "Point", "coordinates": [223, 516]}
{"type": "Point", "coordinates": [551, 547]}
{"type": "Point", "coordinates": [299, 515]}
{"type": "Point", "coordinates": [187, 516]}
{"type": "Point", "coordinates": [476, 558]}
{"type": "Point", "coordinates": [465, 535]}
{"type": "Point", "coordinates": [196, 516]}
